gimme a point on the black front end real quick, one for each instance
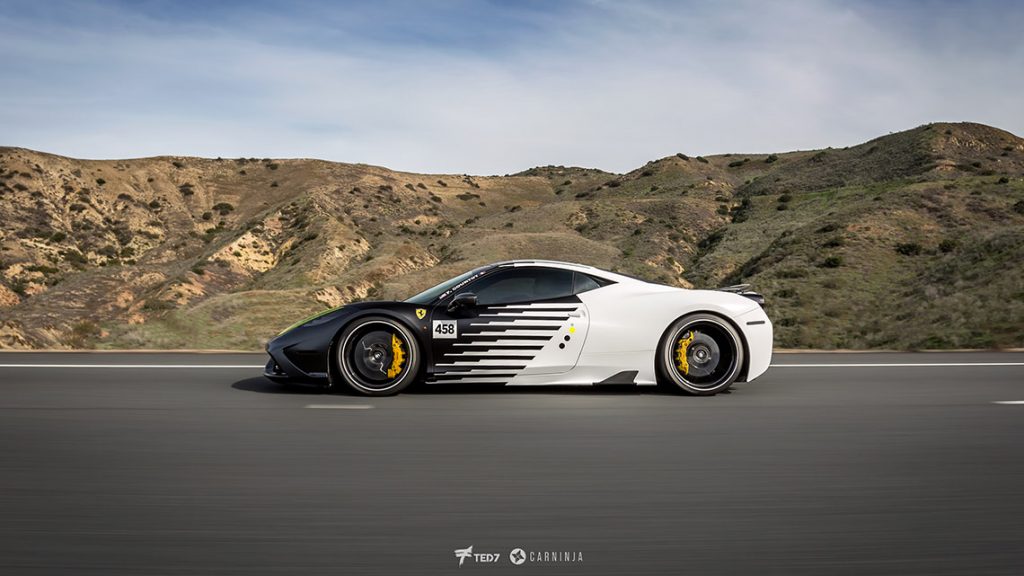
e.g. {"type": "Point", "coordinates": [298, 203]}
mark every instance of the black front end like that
{"type": "Point", "coordinates": [301, 354]}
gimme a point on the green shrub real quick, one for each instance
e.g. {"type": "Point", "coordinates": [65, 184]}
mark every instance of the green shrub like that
{"type": "Point", "coordinates": [792, 273]}
{"type": "Point", "coordinates": [42, 268]}
{"type": "Point", "coordinates": [223, 208]}
{"type": "Point", "coordinates": [177, 164]}
{"type": "Point", "coordinates": [83, 333]}
{"type": "Point", "coordinates": [947, 246]}
{"type": "Point", "coordinates": [100, 181]}
{"type": "Point", "coordinates": [702, 159]}
{"type": "Point", "coordinates": [834, 242]}
{"type": "Point", "coordinates": [908, 248]}
{"type": "Point", "coordinates": [832, 262]}
{"type": "Point", "coordinates": [771, 158]}
{"type": "Point", "coordinates": [58, 237]}
{"type": "Point", "coordinates": [1004, 180]}
{"type": "Point", "coordinates": [1019, 207]}
{"type": "Point", "coordinates": [785, 197]}
{"type": "Point", "coordinates": [157, 305]}
{"type": "Point", "coordinates": [75, 258]}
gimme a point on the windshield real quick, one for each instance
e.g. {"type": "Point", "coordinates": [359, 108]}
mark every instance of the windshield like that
{"type": "Point", "coordinates": [431, 294]}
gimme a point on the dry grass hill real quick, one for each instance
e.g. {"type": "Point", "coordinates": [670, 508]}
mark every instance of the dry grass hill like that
{"type": "Point", "coordinates": [911, 240]}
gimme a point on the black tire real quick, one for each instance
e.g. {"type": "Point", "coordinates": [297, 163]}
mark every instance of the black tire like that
{"type": "Point", "coordinates": [376, 356]}
{"type": "Point", "coordinates": [713, 353]}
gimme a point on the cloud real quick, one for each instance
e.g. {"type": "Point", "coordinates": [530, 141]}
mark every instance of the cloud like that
{"type": "Point", "coordinates": [493, 88]}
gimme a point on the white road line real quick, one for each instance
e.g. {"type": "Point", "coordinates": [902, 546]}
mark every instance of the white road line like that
{"type": "Point", "coordinates": [339, 406]}
{"type": "Point", "coordinates": [139, 366]}
{"type": "Point", "coordinates": [900, 365]}
{"type": "Point", "coordinates": [260, 366]}
{"type": "Point", "coordinates": [1008, 402]}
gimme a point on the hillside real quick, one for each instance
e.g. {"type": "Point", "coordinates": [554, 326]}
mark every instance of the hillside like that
{"type": "Point", "coordinates": [911, 240]}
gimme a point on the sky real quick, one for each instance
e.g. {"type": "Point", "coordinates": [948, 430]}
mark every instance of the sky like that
{"type": "Point", "coordinates": [492, 87]}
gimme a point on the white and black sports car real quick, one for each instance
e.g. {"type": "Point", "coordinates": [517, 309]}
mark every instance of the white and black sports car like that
{"type": "Point", "coordinates": [533, 322]}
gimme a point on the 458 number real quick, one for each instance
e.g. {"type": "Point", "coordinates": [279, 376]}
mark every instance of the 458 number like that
{"type": "Point", "coordinates": [446, 329]}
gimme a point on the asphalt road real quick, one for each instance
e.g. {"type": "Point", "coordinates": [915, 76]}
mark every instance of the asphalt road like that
{"type": "Point", "coordinates": [820, 469]}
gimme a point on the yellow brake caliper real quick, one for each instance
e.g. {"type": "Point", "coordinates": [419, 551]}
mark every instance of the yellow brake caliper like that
{"type": "Point", "coordinates": [397, 357]}
{"type": "Point", "coordinates": [684, 344]}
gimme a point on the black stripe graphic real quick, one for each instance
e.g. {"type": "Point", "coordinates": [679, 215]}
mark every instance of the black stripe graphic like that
{"type": "Point", "coordinates": [513, 310]}
{"type": "Point", "coordinates": [496, 337]}
{"type": "Point", "coordinates": [487, 328]}
{"type": "Point", "coordinates": [510, 318]}
{"type": "Point", "coordinates": [498, 347]}
{"type": "Point", "coordinates": [455, 356]}
{"type": "Point", "coordinates": [455, 377]}
{"type": "Point", "coordinates": [450, 369]}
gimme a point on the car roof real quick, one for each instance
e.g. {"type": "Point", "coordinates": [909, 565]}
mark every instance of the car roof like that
{"type": "Point", "coordinates": [569, 266]}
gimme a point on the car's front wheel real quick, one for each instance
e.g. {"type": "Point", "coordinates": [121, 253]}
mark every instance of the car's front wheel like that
{"type": "Point", "coordinates": [377, 356]}
{"type": "Point", "coordinates": [701, 354]}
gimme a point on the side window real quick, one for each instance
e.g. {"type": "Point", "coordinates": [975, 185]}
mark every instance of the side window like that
{"type": "Point", "coordinates": [583, 283]}
{"type": "Point", "coordinates": [523, 285]}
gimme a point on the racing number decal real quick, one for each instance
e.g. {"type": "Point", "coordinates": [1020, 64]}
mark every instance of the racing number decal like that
{"type": "Point", "coordinates": [446, 329]}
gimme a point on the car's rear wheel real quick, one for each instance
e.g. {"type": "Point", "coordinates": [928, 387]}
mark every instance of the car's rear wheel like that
{"type": "Point", "coordinates": [377, 356]}
{"type": "Point", "coordinates": [701, 354]}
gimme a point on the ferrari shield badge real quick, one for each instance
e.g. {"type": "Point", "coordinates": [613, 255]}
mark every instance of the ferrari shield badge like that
{"type": "Point", "coordinates": [421, 313]}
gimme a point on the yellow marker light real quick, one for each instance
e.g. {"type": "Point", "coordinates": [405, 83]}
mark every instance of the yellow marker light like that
{"type": "Point", "coordinates": [572, 329]}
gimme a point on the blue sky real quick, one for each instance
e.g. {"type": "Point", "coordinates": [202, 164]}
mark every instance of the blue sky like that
{"type": "Point", "coordinates": [497, 87]}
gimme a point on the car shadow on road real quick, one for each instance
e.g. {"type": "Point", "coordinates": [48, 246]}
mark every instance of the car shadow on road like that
{"type": "Point", "coordinates": [265, 386]}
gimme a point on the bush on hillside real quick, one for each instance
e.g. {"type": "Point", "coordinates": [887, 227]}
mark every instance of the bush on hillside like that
{"type": "Point", "coordinates": [908, 248]}
{"type": "Point", "coordinates": [832, 262]}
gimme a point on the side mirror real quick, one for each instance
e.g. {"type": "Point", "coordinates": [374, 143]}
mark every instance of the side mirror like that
{"type": "Point", "coordinates": [463, 300]}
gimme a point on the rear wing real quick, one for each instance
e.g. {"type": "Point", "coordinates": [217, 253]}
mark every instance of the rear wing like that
{"type": "Point", "coordinates": [744, 290]}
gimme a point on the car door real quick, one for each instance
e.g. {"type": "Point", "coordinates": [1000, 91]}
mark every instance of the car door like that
{"type": "Point", "coordinates": [527, 320]}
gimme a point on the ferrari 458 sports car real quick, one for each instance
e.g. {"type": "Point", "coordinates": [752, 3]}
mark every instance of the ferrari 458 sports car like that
{"type": "Point", "coordinates": [533, 322]}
